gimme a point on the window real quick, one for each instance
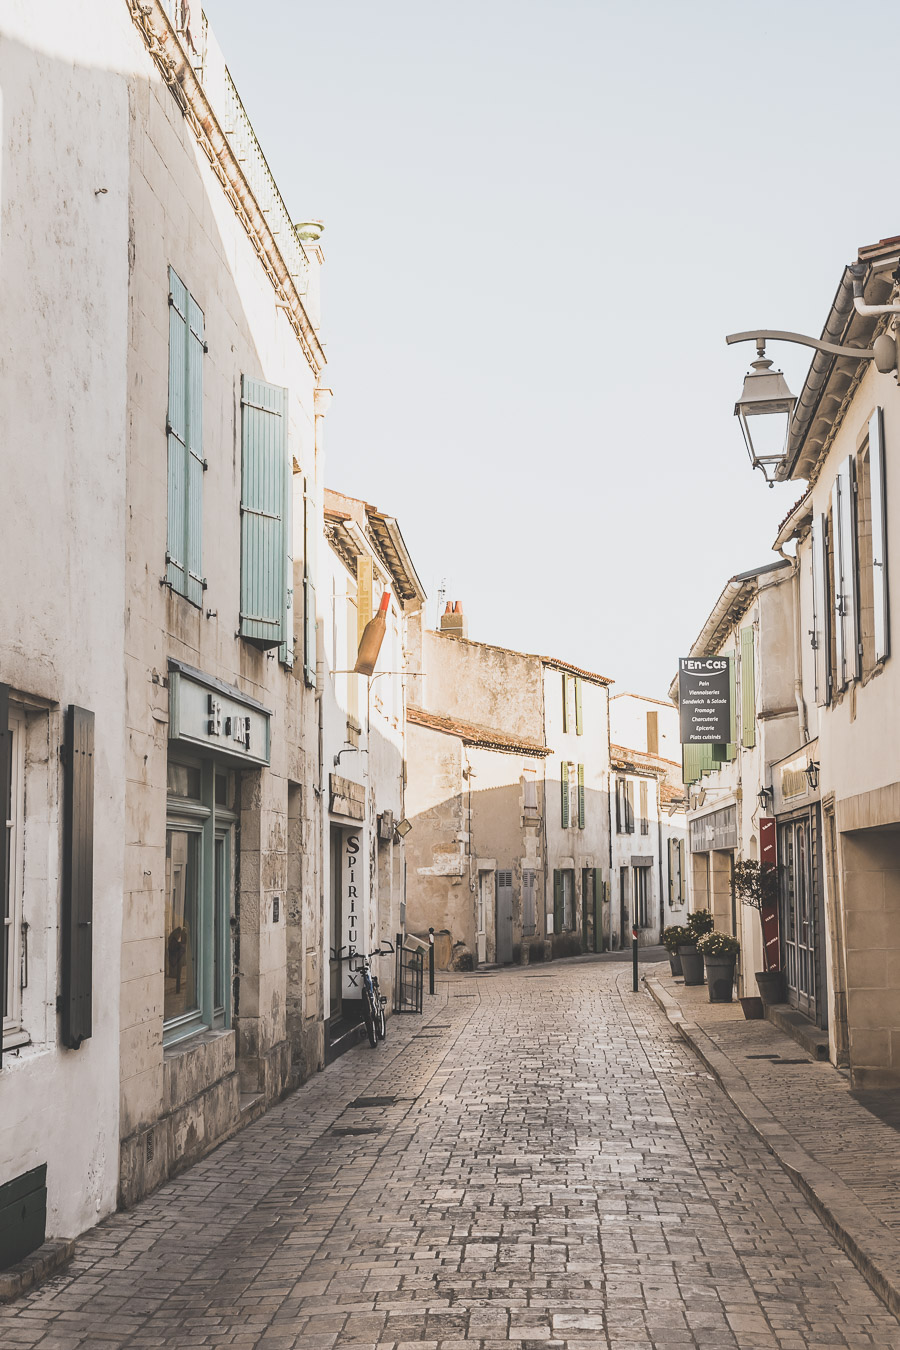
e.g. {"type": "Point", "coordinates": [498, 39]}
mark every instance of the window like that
{"type": "Point", "coordinates": [653, 733]}
{"type": "Point", "coordinates": [641, 896]}
{"type": "Point", "coordinates": [267, 566]}
{"type": "Point", "coordinates": [645, 822]}
{"type": "Point", "coordinates": [624, 806]}
{"type": "Point", "coordinates": [184, 428]}
{"type": "Point", "coordinates": [198, 899]}
{"type": "Point", "coordinates": [12, 796]}
{"type": "Point", "coordinates": [871, 537]}
{"type": "Point", "coordinates": [529, 785]}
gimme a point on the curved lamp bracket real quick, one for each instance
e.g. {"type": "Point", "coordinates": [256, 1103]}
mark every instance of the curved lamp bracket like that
{"type": "Point", "coordinates": [883, 352]}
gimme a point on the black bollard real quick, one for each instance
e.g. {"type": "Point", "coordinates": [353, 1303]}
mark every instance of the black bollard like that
{"type": "Point", "coordinates": [431, 960]}
{"type": "Point", "coordinates": [634, 977]}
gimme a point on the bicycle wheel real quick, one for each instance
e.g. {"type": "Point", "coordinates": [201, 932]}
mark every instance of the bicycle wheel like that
{"type": "Point", "coordinates": [369, 1016]}
{"type": "Point", "coordinates": [381, 1023]}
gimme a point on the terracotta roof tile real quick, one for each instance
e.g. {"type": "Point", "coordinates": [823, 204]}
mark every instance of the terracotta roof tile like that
{"type": "Point", "coordinates": [641, 759]}
{"type": "Point", "coordinates": [487, 738]}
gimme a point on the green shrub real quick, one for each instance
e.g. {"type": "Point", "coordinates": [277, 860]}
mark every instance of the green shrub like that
{"type": "Point", "coordinates": [718, 944]}
{"type": "Point", "coordinates": [675, 936]}
{"type": "Point", "coordinates": [700, 922]}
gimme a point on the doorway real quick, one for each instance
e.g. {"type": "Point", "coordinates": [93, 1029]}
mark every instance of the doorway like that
{"type": "Point", "coordinates": [504, 918]}
{"type": "Point", "coordinates": [588, 910]}
{"type": "Point", "coordinates": [800, 874]}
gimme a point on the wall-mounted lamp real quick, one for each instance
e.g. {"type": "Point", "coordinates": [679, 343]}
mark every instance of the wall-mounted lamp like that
{"type": "Point", "coordinates": [347, 750]}
{"type": "Point", "coordinates": [766, 798]}
{"type": "Point", "coordinates": [812, 774]}
{"type": "Point", "coordinates": [403, 827]}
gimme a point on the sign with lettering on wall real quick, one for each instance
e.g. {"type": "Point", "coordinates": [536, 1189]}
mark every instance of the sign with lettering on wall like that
{"type": "Point", "coordinates": [704, 700]}
{"type": "Point", "coordinates": [352, 936]}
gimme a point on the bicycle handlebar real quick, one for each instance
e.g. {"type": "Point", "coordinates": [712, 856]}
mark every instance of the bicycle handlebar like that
{"type": "Point", "coordinates": [361, 956]}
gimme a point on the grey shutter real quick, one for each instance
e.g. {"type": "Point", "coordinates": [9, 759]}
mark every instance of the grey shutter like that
{"type": "Point", "coordinates": [4, 844]}
{"type": "Point", "coordinates": [196, 347]}
{"type": "Point", "coordinates": [78, 877]}
{"type": "Point", "coordinates": [820, 633]}
{"type": "Point", "coordinates": [264, 482]}
{"type": "Point", "coordinates": [286, 650]}
{"type": "Point", "coordinates": [176, 431]}
{"type": "Point", "coordinates": [838, 504]}
{"type": "Point", "coordinates": [309, 584]}
{"type": "Point", "coordinates": [849, 555]}
{"type": "Point", "coordinates": [879, 535]}
{"type": "Point", "coordinates": [629, 806]}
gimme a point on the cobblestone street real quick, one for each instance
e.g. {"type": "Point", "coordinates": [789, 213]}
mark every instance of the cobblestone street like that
{"type": "Point", "coordinates": [556, 1169]}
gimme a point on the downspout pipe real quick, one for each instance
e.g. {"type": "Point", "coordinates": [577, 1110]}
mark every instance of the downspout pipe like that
{"type": "Point", "coordinates": [858, 272]}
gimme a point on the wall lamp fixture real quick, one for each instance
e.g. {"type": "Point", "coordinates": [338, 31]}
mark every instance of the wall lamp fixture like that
{"type": "Point", "coordinates": [812, 774]}
{"type": "Point", "coordinates": [766, 798]}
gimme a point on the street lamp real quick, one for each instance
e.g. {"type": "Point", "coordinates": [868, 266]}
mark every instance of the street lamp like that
{"type": "Point", "coordinates": [765, 395]}
{"type": "Point", "coordinates": [812, 774]}
{"type": "Point", "coordinates": [765, 797]}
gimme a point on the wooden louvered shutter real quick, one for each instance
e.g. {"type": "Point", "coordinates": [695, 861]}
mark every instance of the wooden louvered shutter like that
{"type": "Point", "coordinates": [196, 464]}
{"type": "Point", "coordinates": [819, 633]}
{"type": "Point", "coordinates": [264, 507]}
{"type": "Point", "coordinates": [579, 724]}
{"type": "Point", "coordinates": [565, 702]}
{"type": "Point", "coordinates": [581, 796]}
{"type": "Point", "coordinates": [78, 877]}
{"type": "Point", "coordinates": [564, 794]}
{"type": "Point", "coordinates": [881, 623]}
{"type": "Point", "coordinates": [557, 902]}
{"type": "Point", "coordinates": [748, 688]}
{"type": "Point", "coordinates": [309, 583]}
{"type": "Point", "coordinates": [629, 806]}
{"type": "Point", "coordinates": [5, 748]}
{"type": "Point", "coordinates": [286, 649]}
{"type": "Point", "coordinates": [176, 430]}
{"type": "Point", "coordinates": [729, 751]}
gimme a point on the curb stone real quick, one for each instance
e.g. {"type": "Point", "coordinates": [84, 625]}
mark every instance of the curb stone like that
{"type": "Point", "coordinates": [48, 1260]}
{"type": "Point", "coordinates": [871, 1246]}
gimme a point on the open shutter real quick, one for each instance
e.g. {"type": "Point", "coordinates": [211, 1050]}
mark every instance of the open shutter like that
{"type": "Point", "coordinates": [309, 584]}
{"type": "Point", "coordinates": [629, 806]}
{"type": "Point", "coordinates": [820, 633]}
{"type": "Point", "coordinates": [176, 431]}
{"type": "Point", "coordinates": [681, 886]}
{"type": "Point", "coordinates": [4, 847]}
{"type": "Point", "coordinates": [748, 688]}
{"type": "Point", "coordinates": [579, 726]}
{"type": "Point", "coordinates": [557, 902]}
{"type": "Point", "coordinates": [730, 750]}
{"type": "Point", "coordinates": [564, 794]}
{"type": "Point", "coordinates": [286, 650]}
{"type": "Point", "coordinates": [565, 702]}
{"type": "Point", "coordinates": [879, 535]}
{"type": "Point", "coordinates": [581, 796]}
{"type": "Point", "coordinates": [849, 554]}
{"type": "Point", "coordinates": [196, 348]}
{"type": "Point", "coordinates": [78, 877]}
{"type": "Point", "coordinates": [264, 483]}
{"type": "Point", "coordinates": [840, 507]}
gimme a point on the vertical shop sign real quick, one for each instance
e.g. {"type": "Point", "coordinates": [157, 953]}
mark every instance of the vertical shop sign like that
{"type": "Point", "coordinates": [352, 913]}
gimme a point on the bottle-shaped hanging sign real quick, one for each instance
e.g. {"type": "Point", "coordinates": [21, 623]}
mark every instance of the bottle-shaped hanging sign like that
{"type": "Point", "coordinates": [372, 638]}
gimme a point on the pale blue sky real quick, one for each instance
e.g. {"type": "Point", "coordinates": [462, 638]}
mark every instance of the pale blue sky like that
{"type": "Point", "coordinates": [542, 216]}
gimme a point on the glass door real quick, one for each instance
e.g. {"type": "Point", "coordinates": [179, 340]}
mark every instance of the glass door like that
{"type": "Point", "coordinates": [800, 918]}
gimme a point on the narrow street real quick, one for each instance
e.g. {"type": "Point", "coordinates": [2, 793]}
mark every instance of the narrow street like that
{"type": "Point", "coordinates": [554, 1168]}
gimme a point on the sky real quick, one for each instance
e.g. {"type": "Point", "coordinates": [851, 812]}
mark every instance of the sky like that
{"type": "Point", "coordinates": [541, 219]}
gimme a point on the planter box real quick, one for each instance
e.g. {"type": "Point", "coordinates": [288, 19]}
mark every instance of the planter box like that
{"type": "Point", "coordinates": [771, 986]}
{"type": "Point", "coordinates": [675, 963]}
{"type": "Point", "coordinates": [720, 978]}
{"type": "Point", "coordinates": [691, 964]}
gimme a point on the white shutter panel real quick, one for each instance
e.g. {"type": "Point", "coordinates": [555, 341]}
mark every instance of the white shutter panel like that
{"type": "Point", "coordinates": [837, 508]}
{"type": "Point", "coordinates": [818, 633]}
{"type": "Point", "coordinates": [879, 535]}
{"type": "Point", "coordinates": [848, 562]}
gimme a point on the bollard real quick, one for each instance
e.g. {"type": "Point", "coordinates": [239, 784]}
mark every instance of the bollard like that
{"type": "Point", "coordinates": [431, 960]}
{"type": "Point", "coordinates": [634, 950]}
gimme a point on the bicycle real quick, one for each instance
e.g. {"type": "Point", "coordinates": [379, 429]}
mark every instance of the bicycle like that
{"type": "Point", "coordinates": [373, 1001]}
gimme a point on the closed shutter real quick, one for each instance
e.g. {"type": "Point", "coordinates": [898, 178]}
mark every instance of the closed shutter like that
{"type": "Point", "coordinates": [629, 806]}
{"type": "Point", "coordinates": [681, 879]}
{"type": "Point", "coordinates": [598, 910]}
{"type": "Point", "coordinates": [564, 794]}
{"type": "Point", "coordinates": [309, 583]}
{"type": "Point", "coordinates": [184, 430]}
{"type": "Point", "coordinates": [557, 902]}
{"type": "Point", "coordinates": [286, 649]}
{"type": "Point", "coordinates": [645, 822]}
{"type": "Point", "coordinates": [264, 484]}
{"type": "Point", "coordinates": [565, 699]}
{"type": "Point", "coordinates": [691, 768]}
{"type": "Point", "coordinates": [670, 859]}
{"type": "Point", "coordinates": [748, 688]}
{"type": "Point", "coordinates": [528, 922]}
{"type": "Point", "coordinates": [5, 746]}
{"type": "Point", "coordinates": [579, 727]}
{"type": "Point", "coordinates": [581, 796]}
{"type": "Point", "coordinates": [78, 877]}
{"type": "Point", "coordinates": [879, 535]}
{"type": "Point", "coordinates": [819, 634]}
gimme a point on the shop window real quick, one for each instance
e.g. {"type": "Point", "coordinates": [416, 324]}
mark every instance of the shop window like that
{"type": "Point", "coordinates": [641, 896]}
{"type": "Point", "coordinates": [198, 899]}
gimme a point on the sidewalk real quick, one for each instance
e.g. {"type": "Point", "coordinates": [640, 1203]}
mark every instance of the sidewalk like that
{"type": "Point", "coordinates": [831, 1142]}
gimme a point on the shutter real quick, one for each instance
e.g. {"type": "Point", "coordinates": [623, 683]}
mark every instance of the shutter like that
{"type": "Point", "coordinates": [580, 796]}
{"type": "Point", "coordinates": [690, 764]}
{"type": "Point", "coordinates": [670, 859]}
{"type": "Point", "coordinates": [286, 650]}
{"type": "Point", "coordinates": [78, 877]}
{"type": "Point", "coordinates": [838, 504]}
{"type": "Point", "coordinates": [310, 517]}
{"type": "Point", "coordinates": [176, 432]}
{"type": "Point", "coordinates": [818, 634]}
{"type": "Point", "coordinates": [579, 728]}
{"type": "Point", "coordinates": [645, 822]}
{"type": "Point", "coordinates": [849, 557]}
{"type": "Point", "coordinates": [196, 347]}
{"type": "Point", "coordinates": [879, 535]}
{"type": "Point", "coordinates": [564, 794]}
{"type": "Point", "coordinates": [629, 806]}
{"type": "Point", "coordinates": [748, 688]}
{"type": "Point", "coordinates": [681, 870]}
{"type": "Point", "coordinates": [565, 698]}
{"type": "Point", "coordinates": [4, 845]}
{"type": "Point", "coordinates": [264, 470]}
{"type": "Point", "coordinates": [557, 902]}
{"type": "Point", "coordinates": [598, 910]}
{"type": "Point", "coordinates": [730, 750]}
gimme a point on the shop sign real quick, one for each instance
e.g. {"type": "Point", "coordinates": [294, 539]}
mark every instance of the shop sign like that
{"type": "Point", "coordinates": [208, 714]}
{"type": "Point", "coordinates": [351, 912]}
{"type": "Point", "coordinates": [715, 831]}
{"type": "Point", "coordinates": [767, 853]}
{"type": "Point", "coordinates": [704, 700]}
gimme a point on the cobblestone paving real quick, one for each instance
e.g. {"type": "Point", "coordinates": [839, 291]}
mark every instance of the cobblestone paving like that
{"type": "Point", "coordinates": [559, 1173]}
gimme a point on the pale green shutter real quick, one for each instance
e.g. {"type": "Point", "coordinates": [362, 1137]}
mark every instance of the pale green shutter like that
{"type": "Point", "coordinates": [565, 698]}
{"type": "Point", "coordinates": [580, 796]}
{"type": "Point", "coordinates": [196, 347]}
{"type": "Point", "coordinates": [264, 481]}
{"type": "Point", "coordinates": [748, 689]}
{"type": "Point", "coordinates": [309, 584]}
{"type": "Point", "coordinates": [557, 902]}
{"type": "Point", "coordinates": [579, 726]}
{"type": "Point", "coordinates": [681, 878]}
{"type": "Point", "coordinates": [564, 795]}
{"type": "Point", "coordinates": [286, 650]}
{"type": "Point", "coordinates": [176, 430]}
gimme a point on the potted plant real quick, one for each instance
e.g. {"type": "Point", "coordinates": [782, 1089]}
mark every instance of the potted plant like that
{"type": "Point", "coordinates": [756, 885]}
{"type": "Point", "coordinates": [672, 937]}
{"type": "Point", "coordinates": [698, 923]}
{"type": "Point", "coordinates": [720, 953]}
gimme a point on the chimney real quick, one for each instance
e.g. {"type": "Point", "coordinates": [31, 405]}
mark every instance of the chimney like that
{"type": "Point", "coordinates": [453, 620]}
